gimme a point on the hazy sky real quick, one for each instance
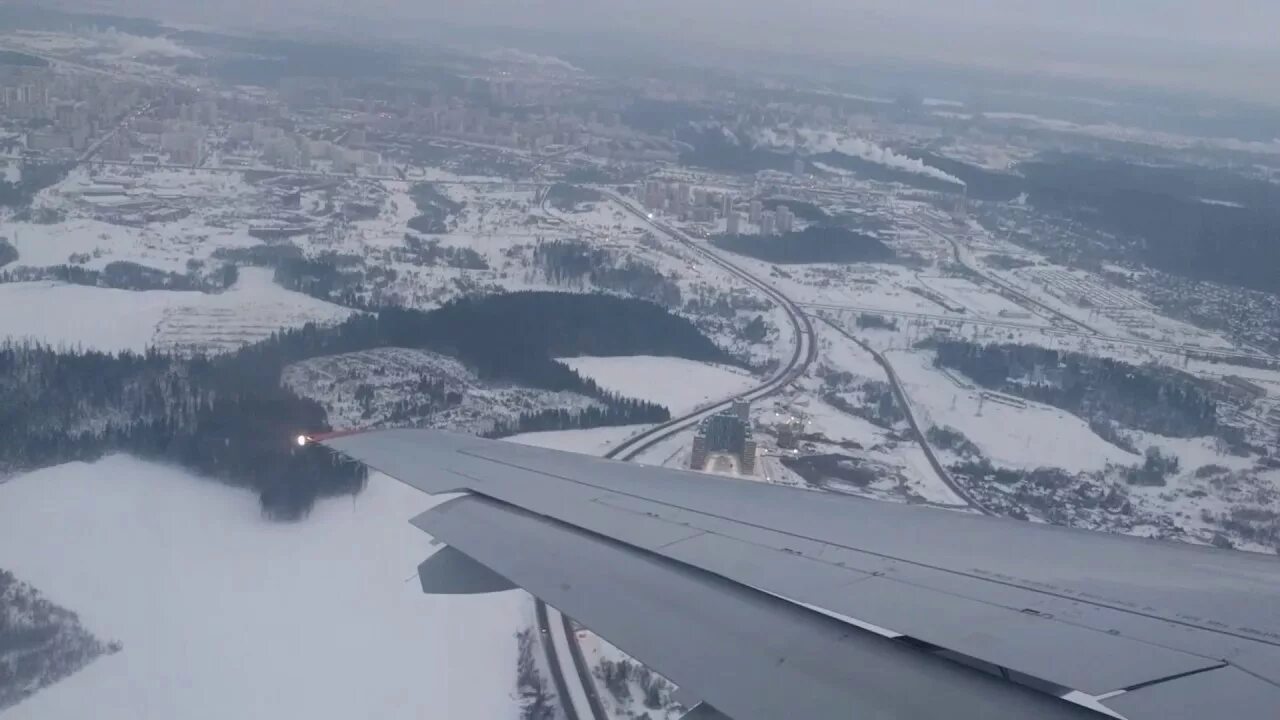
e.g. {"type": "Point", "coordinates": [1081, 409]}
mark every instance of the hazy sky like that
{"type": "Point", "coordinates": [1226, 46]}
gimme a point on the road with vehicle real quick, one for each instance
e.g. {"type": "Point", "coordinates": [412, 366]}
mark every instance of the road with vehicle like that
{"type": "Point", "coordinates": [804, 352]}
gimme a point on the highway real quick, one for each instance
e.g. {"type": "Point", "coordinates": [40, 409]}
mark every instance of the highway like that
{"type": "Point", "coordinates": [124, 119]}
{"type": "Point", "coordinates": [900, 394]}
{"type": "Point", "coordinates": [1007, 289]}
{"type": "Point", "coordinates": [1193, 351]}
{"type": "Point", "coordinates": [553, 659]}
{"type": "Point", "coordinates": [1086, 330]}
{"type": "Point", "coordinates": [805, 351]}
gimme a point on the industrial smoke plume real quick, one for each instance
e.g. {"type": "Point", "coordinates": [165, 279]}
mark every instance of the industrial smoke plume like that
{"type": "Point", "coordinates": [814, 142]}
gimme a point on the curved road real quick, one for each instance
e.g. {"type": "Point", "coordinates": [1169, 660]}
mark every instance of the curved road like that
{"type": "Point", "coordinates": [1009, 290]}
{"type": "Point", "coordinates": [803, 355]}
{"type": "Point", "coordinates": [553, 659]}
{"type": "Point", "coordinates": [900, 394]}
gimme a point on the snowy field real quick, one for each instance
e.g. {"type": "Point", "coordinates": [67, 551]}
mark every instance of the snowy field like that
{"type": "Point", "coordinates": [596, 441]}
{"type": "Point", "coordinates": [175, 219]}
{"type": "Point", "coordinates": [224, 615]}
{"type": "Point", "coordinates": [218, 209]}
{"type": "Point", "coordinates": [1090, 299]}
{"type": "Point", "coordinates": [903, 473]}
{"type": "Point", "coordinates": [11, 170]}
{"type": "Point", "coordinates": [1135, 351]}
{"type": "Point", "coordinates": [978, 300]}
{"type": "Point", "coordinates": [680, 385]}
{"type": "Point", "coordinates": [867, 286]}
{"type": "Point", "coordinates": [94, 318]}
{"type": "Point", "coordinates": [888, 288]}
{"type": "Point", "coordinates": [102, 243]}
{"type": "Point", "coordinates": [1028, 436]}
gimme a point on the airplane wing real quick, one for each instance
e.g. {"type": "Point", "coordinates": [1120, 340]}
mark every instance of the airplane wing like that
{"type": "Point", "coordinates": [772, 602]}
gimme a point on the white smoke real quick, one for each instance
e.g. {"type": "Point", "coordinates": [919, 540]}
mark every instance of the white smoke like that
{"type": "Point", "coordinates": [817, 141]}
{"type": "Point", "coordinates": [871, 152]}
{"type": "Point", "coordinates": [143, 47]}
{"type": "Point", "coordinates": [773, 139]}
{"type": "Point", "coordinates": [520, 57]}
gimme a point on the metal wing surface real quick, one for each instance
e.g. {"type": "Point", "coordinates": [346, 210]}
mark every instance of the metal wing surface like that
{"type": "Point", "coordinates": [772, 602]}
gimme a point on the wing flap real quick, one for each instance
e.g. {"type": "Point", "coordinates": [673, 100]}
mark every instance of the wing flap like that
{"type": "Point", "coordinates": [1223, 693]}
{"type": "Point", "coordinates": [900, 599]}
{"type": "Point", "coordinates": [750, 655]}
{"type": "Point", "coordinates": [449, 572]}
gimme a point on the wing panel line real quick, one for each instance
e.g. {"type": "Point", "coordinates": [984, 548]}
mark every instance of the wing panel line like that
{"type": "Point", "coordinates": [884, 556]}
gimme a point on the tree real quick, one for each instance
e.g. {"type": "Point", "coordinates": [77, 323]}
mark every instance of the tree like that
{"type": "Point", "coordinates": [229, 418]}
{"type": "Point", "coordinates": [652, 697]}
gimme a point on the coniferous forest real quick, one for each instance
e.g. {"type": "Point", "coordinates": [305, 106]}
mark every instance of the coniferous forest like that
{"type": "Point", "coordinates": [229, 418]}
{"type": "Point", "coordinates": [1100, 390]}
{"type": "Point", "coordinates": [574, 261]}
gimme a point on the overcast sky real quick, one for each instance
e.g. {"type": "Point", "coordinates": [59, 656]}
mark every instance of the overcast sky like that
{"type": "Point", "coordinates": [1225, 46]}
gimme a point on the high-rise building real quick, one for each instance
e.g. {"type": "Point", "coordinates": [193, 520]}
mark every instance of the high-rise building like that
{"type": "Point", "coordinates": [726, 204]}
{"type": "Point", "coordinates": [757, 207]}
{"type": "Point", "coordinates": [48, 140]}
{"type": "Point", "coordinates": [726, 433]}
{"type": "Point", "coordinates": [698, 457]}
{"type": "Point", "coordinates": [731, 223]}
{"type": "Point", "coordinates": [655, 195]}
{"type": "Point", "coordinates": [281, 152]}
{"type": "Point", "coordinates": [679, 198]}
{"type": "Point", "coordinates": [783, 219]}
{"type": "Point", "coordinates": [747, 459]}
{"type": "Point", "coordinates": [742, 409]}
{"type": "Point", "coordinates": [184, 143]}
{"type": "Point", "coordinates": [208, 112]}
{"type": "Point", "coordinates": [766, 222]}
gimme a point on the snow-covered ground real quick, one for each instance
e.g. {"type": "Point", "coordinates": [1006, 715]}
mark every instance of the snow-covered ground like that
{"type": "Point", "coordinates": [1014, 433]}
{"type": "Point", "coordinates": [596, 441]}
{"type": "Point", "coordinates": [672, 452]}
{"type": "Point", "coordinates": [977, 300]}
{"type": "Point", "coordinates": [110, 320]}
{"type": "Point", "coordinates": [102, 228]}
{"type": "Point", "coordinates": [401, 387]}
{"type": "Point", "coordinates": [897, 468]}
{"type": "Point", "coordinates": [631, 703]}
{"type": "Point", "coordinates": [42, 643]}
{"type": "Point", "coordinates": [609, 224]}
{"type": "Point", "coordinates": [1089, 299]}
{"type": "Point", "coordinates": [174, 220]}
{"type": "Point", "coordinates": [10, 170]}
{"type": "Point", "coordinates": [223, 614]}
{"type": "Point", "coordinates": [839, 427]}
{"type": "Point", "coordinates": [680, 385]}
